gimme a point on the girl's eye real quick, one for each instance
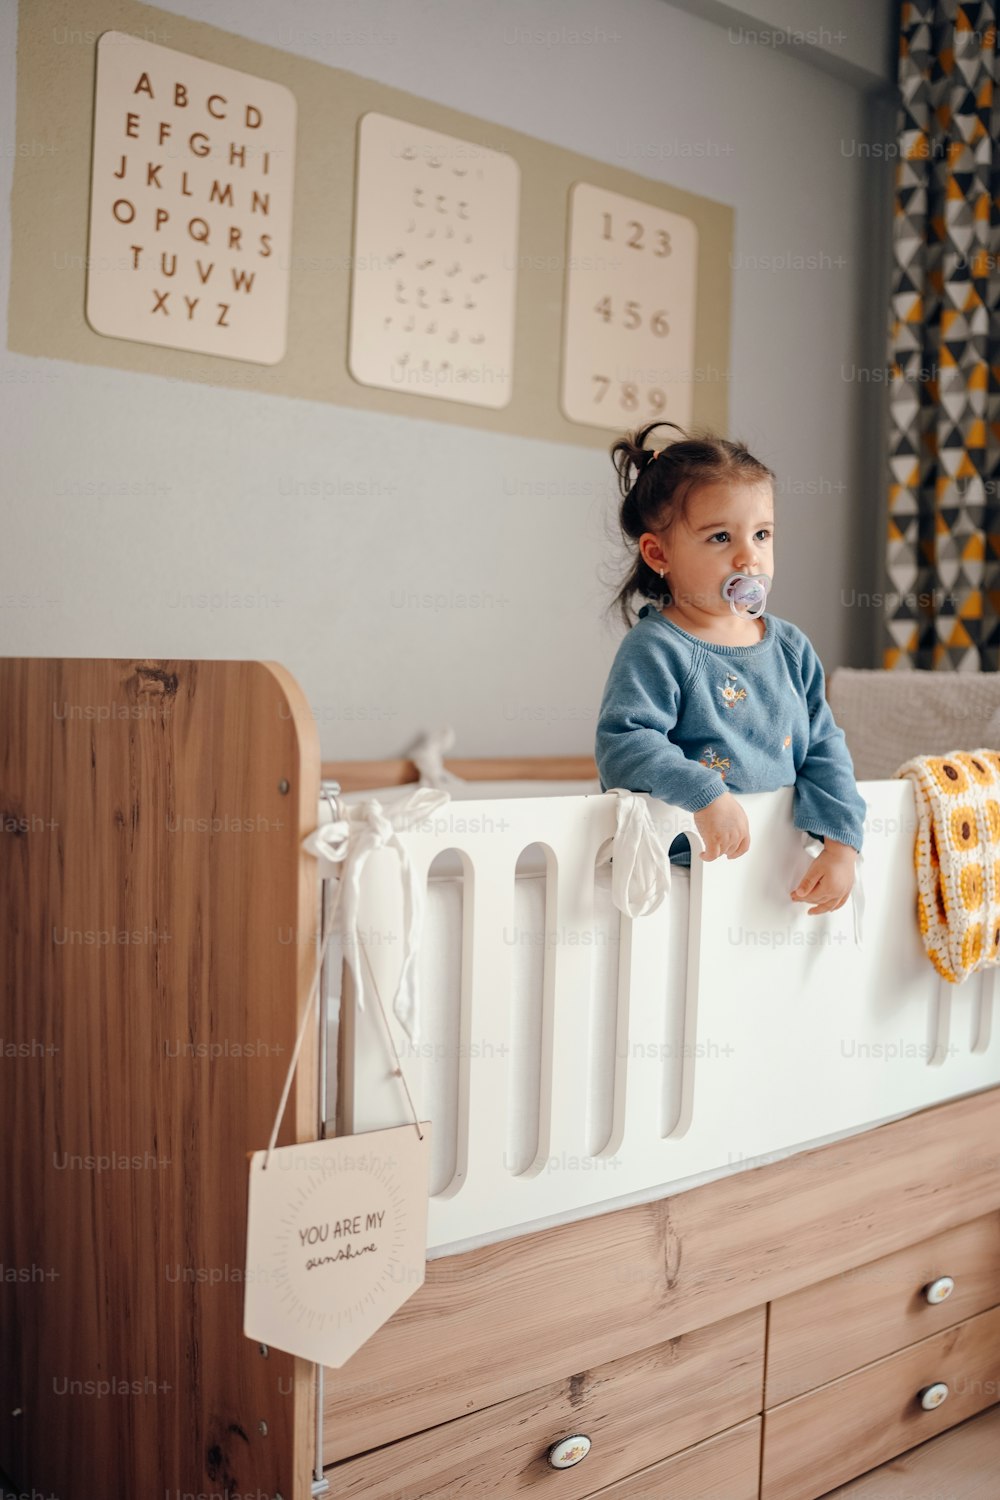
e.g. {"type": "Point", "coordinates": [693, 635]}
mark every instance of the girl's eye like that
{"type": "Point", "coordinates": [722, 536]}
{"type": "Point", "coordinates": [763, 533]}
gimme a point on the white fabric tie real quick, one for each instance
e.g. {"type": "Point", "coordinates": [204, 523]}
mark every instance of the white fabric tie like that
{"type": "Point", "coordinates": [813, 848]}
{"type": "Point", "coordinates": [428, 756]}
{"type": "Point", "coordinates": [640, 850]}
{"type": "Point", "coordinates": [342, 847]}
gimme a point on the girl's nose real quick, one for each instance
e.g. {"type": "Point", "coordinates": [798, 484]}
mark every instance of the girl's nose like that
{"type": "Point", "coordinates": [745, 558]}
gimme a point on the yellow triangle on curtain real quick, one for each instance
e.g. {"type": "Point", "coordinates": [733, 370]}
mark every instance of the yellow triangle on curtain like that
{"type": "Point", "coordinates": [959, 635]}
{"type": "Point", "coordinates": [976, 435]}
{"type": "Point", "coordinates": [966, 469]}
{"type": "Point", "coordinates": [972, 607]}
{"type": "Point", "coordinates": [974, 549]}
{"type": "Point", "coordinates": [976, 378]}
{"type": "Point", "coordinates": [890, 656]}
{"type": "Point", "coordinates": [894, 533]}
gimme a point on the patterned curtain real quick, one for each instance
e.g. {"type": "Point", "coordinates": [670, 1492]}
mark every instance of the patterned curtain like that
{"type": "Point", "coordinates": [944, 446]}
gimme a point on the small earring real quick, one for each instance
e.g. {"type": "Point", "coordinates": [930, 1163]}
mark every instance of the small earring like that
{"type": "Point", "coordinates": [661, 572]}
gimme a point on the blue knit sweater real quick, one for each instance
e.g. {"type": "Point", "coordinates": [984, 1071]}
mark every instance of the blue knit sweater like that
{"type": "Point", "coordinates": [686, 720]}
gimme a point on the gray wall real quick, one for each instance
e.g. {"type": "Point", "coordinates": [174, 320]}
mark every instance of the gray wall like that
{"type": "Point", "coordinates": [145, 517]}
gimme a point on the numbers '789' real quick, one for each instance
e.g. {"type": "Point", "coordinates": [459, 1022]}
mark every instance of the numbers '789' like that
{"type": "Point", "coordinates": [629, 394]}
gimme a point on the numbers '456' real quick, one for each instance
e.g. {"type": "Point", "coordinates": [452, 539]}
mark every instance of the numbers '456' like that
{"type": "Point", "coordinates": [632, 317]}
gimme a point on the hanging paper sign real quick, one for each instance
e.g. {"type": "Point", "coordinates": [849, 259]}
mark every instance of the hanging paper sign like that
{"type": "Point", "coordinates": [336, 1240]}
{"type": "Point", "coordinates": [190, 203]}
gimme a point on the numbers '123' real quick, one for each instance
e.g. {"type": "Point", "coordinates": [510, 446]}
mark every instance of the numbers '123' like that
{"type": "Point", "coordinates": [635, 237]}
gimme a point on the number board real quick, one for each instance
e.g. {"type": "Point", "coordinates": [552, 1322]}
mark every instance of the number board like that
{"type": "Point", "coordinates": [435, 264]}
{"type": "Point", "coordinates": [628, 351]}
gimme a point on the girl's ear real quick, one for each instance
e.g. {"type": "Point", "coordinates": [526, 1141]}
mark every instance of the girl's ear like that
{"type": "Point", "coordinates": [652, 553]}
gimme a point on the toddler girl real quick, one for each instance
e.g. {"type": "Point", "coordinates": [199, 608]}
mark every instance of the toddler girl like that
{"type": "Point", "coordinates": [708, 695]}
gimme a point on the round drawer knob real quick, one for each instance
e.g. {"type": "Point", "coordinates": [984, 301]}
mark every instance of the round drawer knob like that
{"type": "Point", "coordinates": [932, 1396]}
{"type": "Point", "coordinates": [940, 1290]}
{"type": "Point", "coordinates": [569, 1451]}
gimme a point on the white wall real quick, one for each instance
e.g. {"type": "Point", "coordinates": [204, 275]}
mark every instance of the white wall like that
{"type": "Point", "coordinates": [117, 522]}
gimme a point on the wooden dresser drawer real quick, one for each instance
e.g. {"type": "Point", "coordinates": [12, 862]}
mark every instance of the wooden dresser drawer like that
{"type": "Point", "coordinates": [960, 1464]}
{"type": "Point", "coordinates": [726, 1467]}
{"type": "Point", "coordinates": [636, 1411]}
{"type": "Point", "coordinates": [857, 1317]}
{"type": "Point", "coordinates": [829, 1436]}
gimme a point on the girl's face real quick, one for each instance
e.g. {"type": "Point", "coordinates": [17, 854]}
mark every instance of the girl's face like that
{"type": "Point", "coordinates": [729, 528]}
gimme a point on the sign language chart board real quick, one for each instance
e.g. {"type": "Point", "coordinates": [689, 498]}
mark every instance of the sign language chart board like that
{"type": "Point", "coordinates": [628, 354]}
{"type": "Point", "coordinates": [435, 264]}
{"type": "Point", "coordinates": [191, 203]}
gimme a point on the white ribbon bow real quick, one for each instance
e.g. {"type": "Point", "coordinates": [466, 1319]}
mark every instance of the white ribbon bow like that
{"type": "Point", "coordinates": [342, 847]}
{"type": "Point", "coordinates": [640, 850]}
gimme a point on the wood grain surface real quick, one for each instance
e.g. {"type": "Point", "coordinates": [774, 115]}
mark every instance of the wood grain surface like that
{"type": "Point", "coordinates": [635, 1411]}
{"type": "Point", "coordinates": [498, 1321]}
{"type": "Point", "coordinates": [159, 927]}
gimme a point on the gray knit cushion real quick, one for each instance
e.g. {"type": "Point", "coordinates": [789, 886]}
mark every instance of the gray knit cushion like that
{"type": "Point", "coordinates": [888, 717]}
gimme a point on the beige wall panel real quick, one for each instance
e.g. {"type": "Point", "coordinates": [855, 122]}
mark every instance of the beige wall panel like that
{"type": "Point", "coordinates": [51, 201]}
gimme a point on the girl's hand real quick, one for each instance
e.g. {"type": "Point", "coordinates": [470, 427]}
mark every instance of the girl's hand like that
{"type": "Point", "coordinates": [724, 827]}
{"type": "Point", "coordinates": [829, 879]}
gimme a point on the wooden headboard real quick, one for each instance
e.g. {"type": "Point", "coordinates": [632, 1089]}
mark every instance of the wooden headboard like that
{"type": "Point", "coordinates": [159, 944]}
{"type": "Point", "coordinates": [361, 775]}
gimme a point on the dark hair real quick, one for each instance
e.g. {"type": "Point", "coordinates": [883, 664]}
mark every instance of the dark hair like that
{"type": "Point", "coordinates": [661, 488]}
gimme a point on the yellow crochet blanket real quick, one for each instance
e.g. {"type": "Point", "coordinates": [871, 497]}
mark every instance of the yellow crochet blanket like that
{"type": "Point", "coordinates": [957, 857]}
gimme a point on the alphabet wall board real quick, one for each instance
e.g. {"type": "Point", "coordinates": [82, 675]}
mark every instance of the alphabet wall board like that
{"type": "Point", "coordinates": [154, 230]}
{"type": "Point", "coordinates": [191, 203]}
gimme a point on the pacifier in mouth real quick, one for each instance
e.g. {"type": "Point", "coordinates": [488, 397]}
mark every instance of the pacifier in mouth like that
{"type": "Point", "coordinates": [747, 593]}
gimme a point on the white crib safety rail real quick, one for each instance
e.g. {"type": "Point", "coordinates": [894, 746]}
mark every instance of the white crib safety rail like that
{"type": "Point", "coordinates": [777, 1029]}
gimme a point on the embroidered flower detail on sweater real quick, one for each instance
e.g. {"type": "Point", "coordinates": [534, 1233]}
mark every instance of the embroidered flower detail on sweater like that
{"type": "Point", "coordinates": [715, 762]}
{"type": "Point", "coordinates": [731, 694]}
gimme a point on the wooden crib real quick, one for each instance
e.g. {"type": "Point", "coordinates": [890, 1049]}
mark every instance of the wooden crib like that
{"type": "Point", "coordinates": [160, 944]}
